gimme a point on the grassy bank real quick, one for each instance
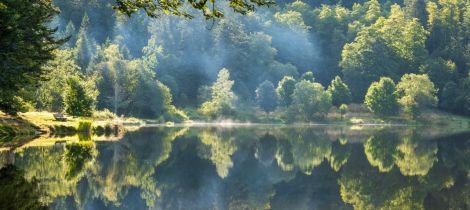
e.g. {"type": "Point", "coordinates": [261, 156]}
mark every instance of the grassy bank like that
{"type": "Point", "coordinates": [101, 123]}
{"type": "Point", "coordinates": [30, 124]}
{"type": "Point", "coordinates": [356, 115]}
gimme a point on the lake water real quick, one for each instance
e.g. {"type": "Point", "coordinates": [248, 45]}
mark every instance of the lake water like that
{"type": "Point", "coordinates": [247, 167]}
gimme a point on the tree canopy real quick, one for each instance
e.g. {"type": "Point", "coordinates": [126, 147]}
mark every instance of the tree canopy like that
{"type": "Point", "coordinates": [26, 44]}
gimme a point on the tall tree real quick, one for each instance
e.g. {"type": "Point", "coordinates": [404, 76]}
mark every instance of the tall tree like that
{"type": "Point", "coordinates": [26, 44]}
{"type": "Point", "coordinates": [266, 96]}
{"type": "Point", "coordinates": [222, 96]}
{"type": "Point", "coordinates": [83, 45]}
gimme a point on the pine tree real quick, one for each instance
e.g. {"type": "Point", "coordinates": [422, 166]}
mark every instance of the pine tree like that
{"type": "Point", "coordinates": [83, 48]}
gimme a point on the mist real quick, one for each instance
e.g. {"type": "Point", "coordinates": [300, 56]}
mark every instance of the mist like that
{"type": "Point", "coordinates": [254, 47]}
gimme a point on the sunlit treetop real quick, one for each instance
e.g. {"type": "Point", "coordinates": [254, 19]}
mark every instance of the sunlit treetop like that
{"type": "Point", "coordinates": [155, 8]}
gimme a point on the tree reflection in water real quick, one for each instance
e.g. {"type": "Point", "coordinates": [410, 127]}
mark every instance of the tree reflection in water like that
{"type": "Point", "coordinates": [247, 168]}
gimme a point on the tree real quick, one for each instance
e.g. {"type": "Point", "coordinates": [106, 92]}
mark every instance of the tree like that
{"type": "Point", "coordinates": [401, 41]}
{"type": "Point", "coordinates": [78, 102]}
{"type": "Point", "coordinates": [26, 44]}
{"type": "Point", "coordinates": [416, 9]}
{"type": "Point", "coordinates": [415, 93]}
{"type": "Point", "coordinates": [308, 76]}
{"type": "Point", "coordinates": [83, 47]}
{"type": "Point", "coordinates": [342, 110]}
{"type": "Point", "coordinates": [284, 90]}
{"type": "Point", "coordinates": [266, 96]}
{"type": "Point", "coordinates": [222, 96]}
{"type": "Point", "coordinates": [157, 8]}
{"type": "Point", "coordinates": [49, 95]}
{"type": "Point", "coordinates": [381, 98]}
{"type": "Point", "coordinates": [448, 97]}
{"type": "Point", "coordinates": [339, 91]}
{"type": "Point", "coordinates": [440, 71]}
{"type": "Point", "coordinates": [309, 101]}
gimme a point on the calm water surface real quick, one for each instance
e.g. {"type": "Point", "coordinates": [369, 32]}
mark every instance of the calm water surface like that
{"type": "Point", "coordinates": [256, 167]}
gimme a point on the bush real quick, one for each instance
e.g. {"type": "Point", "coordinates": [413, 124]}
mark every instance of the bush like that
{"type": "Point", "coordinates": [104, 115]}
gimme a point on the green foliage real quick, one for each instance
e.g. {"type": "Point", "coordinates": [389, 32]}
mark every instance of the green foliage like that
{"type": "Point", "coordinates": [342, 110]}
{"type": "Point", "coordinates": [390, 47]}
{"type": "Point", "coordinates": [416, 92]}
{"type": "Point", "coordinates": [78, 100]}
{"type": "Point", "coordinates": [440, 71]}
{"type": "Point", "coordinates": [156, 8]}
{"type": "Point", "coordinates": [339, 91]}
{"type": "Point", "coordinates": [222, 97]}
{"type": "Point", "coordinates": [26, 44]}
{"type": "Point", "coordinates": [50, 94]}
{"type": "Point", "coordinates": [83, 48]}
{"type": "Point", "coordinates": [309, 101]}
{"type": "Point", "coordinates": [266, 96]}
{"type": "Point", "coordinates": [284, 90]}
{"type": "Point", "coordinates": [449, 94]}
{"type": "Point", "coordinates": [381, 97]}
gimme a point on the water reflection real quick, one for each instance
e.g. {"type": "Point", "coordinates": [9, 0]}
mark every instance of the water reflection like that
{"type": "Point", "coordinates": [247, 168]}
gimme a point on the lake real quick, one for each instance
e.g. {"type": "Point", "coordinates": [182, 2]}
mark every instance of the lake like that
{"type": "Point", "coordinates": [243, 167]}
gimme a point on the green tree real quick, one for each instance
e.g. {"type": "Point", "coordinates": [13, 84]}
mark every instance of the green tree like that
{"type": "Point", "coordinates": [339, 91]}
{"type": "Point", "coordinates": [416, 92]}
{"type": "Point", "coordinates": [401, 41]}
{"type": "Point", "coordinates": [222, 96]}
{"type": "Point", "coordinates": [26, 44]}
{"type": "Point", "coordinates": [78, 101]}
{"type": "Point", "coordinates": [50, 94]}
{"type": "Point", "coordinates": [381, 98]}
{"type": "Point", "coordinates": [342, 110]}
{"type": "Point", "coordinates": [284, 90]}
{"type": "Point", "coordinates": [440, 71]}
{"type": "Point", "coordinates": [83, 47]}
{"type": "Point", "coordinates": [266, 96]}
{"type": "Point", "coordinates": [416, 9]}
{"type": "Point", "coordinates": [309, 101]}
{"type": "Point", "coordinates": [448, 96]}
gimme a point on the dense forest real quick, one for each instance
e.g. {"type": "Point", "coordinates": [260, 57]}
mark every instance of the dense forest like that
{"type": "Point", "coordinates": [296, 58]}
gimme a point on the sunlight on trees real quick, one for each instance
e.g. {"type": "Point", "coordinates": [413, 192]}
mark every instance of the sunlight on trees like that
{"type": "Point", "coordinates": [381, 98]}
{"type": "Point", "coordinates": [309, 101]}
{"type": "Point", "coordinates": [222, 97]}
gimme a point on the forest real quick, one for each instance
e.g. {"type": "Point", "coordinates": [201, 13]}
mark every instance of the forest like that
{"type": "Point", "coordinates": [290, 60]}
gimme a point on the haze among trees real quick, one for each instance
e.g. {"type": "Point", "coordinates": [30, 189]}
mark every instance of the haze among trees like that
{"type": "Point", "coordinates": [181, 60]}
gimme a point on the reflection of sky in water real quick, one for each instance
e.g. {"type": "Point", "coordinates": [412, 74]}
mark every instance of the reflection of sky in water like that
{"type": "Point", "coordinates": [249, 168]}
